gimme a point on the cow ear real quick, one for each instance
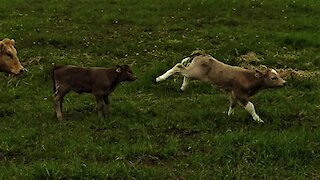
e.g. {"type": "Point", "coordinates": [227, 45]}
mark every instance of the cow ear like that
{"type": "Point", "coordinates": [1, 46]}
{"type": "Point", "coordinates": [12, 42]}
{"type": "Point", "coordinates": [118, 70]}
{"type": "Point", "coordinates": [257, 74]}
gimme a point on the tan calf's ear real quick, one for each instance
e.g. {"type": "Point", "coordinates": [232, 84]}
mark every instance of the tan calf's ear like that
{"type": "Point", "coordinates": [2, 48]}
{"type": "Point", "coordinates": [13, 42]}
{"type": "Point", "coordinates": [257, 74]}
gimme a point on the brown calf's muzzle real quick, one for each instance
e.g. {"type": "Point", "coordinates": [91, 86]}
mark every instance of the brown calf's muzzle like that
{"type": "Point", "coordinates": [133, 78]}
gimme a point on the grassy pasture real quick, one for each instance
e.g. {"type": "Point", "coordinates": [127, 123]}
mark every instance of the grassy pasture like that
{"type": "Point", "coordinates": [154, 131]}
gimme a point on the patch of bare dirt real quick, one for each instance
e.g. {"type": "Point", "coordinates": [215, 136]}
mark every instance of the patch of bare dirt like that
{"type": "Point", "coordinates": [251, 58]}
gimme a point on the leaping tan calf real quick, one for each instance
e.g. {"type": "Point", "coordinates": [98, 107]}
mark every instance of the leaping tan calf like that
{"type": "Point", "coordinates": [9, 61]}
{"type": "Point", "coordinates": [240, 82]}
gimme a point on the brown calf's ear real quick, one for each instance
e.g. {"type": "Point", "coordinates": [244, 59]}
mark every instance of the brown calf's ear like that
{"type": "Point", "coordinates": [118, 70]}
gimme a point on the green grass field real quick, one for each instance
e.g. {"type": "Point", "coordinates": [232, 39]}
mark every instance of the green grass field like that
{"type": "Point", "coordinates": [154, 131]}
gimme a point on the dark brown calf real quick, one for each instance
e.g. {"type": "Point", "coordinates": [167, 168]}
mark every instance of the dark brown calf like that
{"type": "Point", "coordinates": [98, 81]}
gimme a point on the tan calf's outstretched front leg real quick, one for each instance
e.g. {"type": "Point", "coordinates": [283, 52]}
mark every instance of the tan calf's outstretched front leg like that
{"type": "Point", "coordinates": [176, 69]}
{"type": "Point", "coordinates": [250, 108]}
{"type": "Point", "coordinates": [170, 72]}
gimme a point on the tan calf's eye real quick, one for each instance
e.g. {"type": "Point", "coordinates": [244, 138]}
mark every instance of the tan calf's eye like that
{"type": "Point", "coordinates": [9, 54]}
{"type": "Point", "coordinates": [274, 78]}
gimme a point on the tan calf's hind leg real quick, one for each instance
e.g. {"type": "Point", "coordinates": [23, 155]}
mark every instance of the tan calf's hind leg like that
{"type": "Point", "coordinates": [233, 103]}
{"type": "Point", "coordinates": [185, 83]}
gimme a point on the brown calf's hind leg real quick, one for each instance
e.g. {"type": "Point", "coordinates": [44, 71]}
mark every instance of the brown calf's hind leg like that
{"type": "Point", "coordinates": [57, 100]}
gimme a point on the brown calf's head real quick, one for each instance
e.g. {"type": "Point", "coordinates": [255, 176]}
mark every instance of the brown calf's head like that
{"type": "Point", "coordinates": [125, 73]}
{"type": "Point", "coordinates": [270, 78]}
{"type": "Point", "coordinates": [9, 61]}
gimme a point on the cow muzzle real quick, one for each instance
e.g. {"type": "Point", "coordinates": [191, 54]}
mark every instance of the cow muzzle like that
{"type": "Point", "coordinates": [134, 78]}
{"type": "Point", "coordinates": [19, 71]}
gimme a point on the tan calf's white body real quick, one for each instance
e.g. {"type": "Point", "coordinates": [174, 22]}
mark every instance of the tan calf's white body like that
{"type": "Point", "coordinates": [240, 82]}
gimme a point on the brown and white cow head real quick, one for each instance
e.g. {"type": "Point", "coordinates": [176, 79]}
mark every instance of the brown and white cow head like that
{"type": "Point", "coordinates": [270, 78]}
{"type": "Point", "coordinates": [9, 61]}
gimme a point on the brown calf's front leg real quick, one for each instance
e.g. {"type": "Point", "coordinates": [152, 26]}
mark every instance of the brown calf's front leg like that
{"type": "Point", "coordinates": [100, 105]}
{"type": "Point", "coordinates": [106, 104]}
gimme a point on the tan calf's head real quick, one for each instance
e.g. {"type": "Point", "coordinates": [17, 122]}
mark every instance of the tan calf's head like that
{"type": "Point", "coordinates": [9, 61]}
{"type": "Point", "coordinates": [271, 78]}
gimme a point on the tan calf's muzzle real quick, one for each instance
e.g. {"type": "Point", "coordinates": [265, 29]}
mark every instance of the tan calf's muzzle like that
{"type": "Point", "coordinates": [19, 70]}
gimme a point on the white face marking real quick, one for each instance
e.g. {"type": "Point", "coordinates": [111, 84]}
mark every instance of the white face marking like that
{"type": "Point", "coordinates": [274, 71]}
